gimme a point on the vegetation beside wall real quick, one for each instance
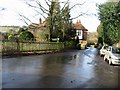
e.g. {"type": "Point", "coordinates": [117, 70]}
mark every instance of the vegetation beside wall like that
{"type": "Point", "coordinates": [14, 47]}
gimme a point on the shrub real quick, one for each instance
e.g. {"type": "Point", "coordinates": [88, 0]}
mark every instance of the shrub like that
{"type": "Point", "coordinates": [70, 43]}
{"type": "Point", "coordinates": [26, 36]}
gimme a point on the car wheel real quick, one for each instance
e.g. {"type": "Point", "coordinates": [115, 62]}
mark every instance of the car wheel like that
{"type": "Point", "coordinates": [110, 62]}
{"type": "Point", "coordinates": [105, 58]}
{"type": "Point", "coordinates": [101, 55]}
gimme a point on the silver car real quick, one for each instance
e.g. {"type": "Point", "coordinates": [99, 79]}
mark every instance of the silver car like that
{"type": "Point", "coordinates": [112, 55]}
{"type": "Point", "coordinates": [103, 50]}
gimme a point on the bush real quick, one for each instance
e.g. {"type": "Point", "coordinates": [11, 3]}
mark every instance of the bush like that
{"type": "Point", "coordinates": [70, 43]}
{"type": "Point", "coordinates": [90, 43]}
{"type": "Point", "coordinates": [26, 36]}
{"type": "Point", "coordinates": [12, 37]}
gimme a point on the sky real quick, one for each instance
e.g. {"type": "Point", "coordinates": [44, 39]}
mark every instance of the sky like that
{"type": "Point", "coordinates": [10, 16]}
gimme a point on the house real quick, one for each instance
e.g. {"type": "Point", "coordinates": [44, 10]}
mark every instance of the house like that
{"type": "Point", "coordinates": [38, 30]}
{"type": "Point", "coordinates": [81, 32]}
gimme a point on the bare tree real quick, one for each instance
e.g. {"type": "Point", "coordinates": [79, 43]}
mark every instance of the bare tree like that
{"type": "Point", "coordinates": [24, 19]}
{"type": "Point", "coordinates": [43, 10]}
{"type": "Point", "coordinates": [54, 16]}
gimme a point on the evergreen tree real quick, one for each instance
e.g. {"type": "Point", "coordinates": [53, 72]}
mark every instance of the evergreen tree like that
{"type": "Point", "coordinates": [110, 21]}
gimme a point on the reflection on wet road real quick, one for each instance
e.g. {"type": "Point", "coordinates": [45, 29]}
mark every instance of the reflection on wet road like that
{"type": "Point", "coordinates": [71, 69]}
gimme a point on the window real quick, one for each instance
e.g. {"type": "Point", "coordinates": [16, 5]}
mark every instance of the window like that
{"type": "Point", "coordinates": [33, 30]}
{"type": "Point", "coordinates": [78, 32]}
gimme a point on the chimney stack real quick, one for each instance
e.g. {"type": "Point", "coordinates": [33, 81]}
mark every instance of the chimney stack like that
{"type": "Point", "coordinates": [40, 21]}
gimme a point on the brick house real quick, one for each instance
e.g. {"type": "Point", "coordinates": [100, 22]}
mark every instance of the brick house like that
{"type": "Point", "coordinates": [81, 32]}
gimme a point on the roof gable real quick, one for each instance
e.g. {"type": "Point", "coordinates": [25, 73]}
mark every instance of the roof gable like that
{"type": "Point", "coordinates": [79, 26]}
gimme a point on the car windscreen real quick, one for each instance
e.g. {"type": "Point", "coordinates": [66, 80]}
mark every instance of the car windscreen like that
{"type": "Point", "coordinates": [105, 47]}
{"type": "Point", "coordinates": [116, 50]}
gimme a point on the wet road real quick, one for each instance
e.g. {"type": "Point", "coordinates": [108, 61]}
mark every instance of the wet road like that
{"type": "Point", "coordinates": [71, 69]}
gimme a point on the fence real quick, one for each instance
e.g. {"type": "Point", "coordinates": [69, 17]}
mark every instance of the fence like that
{"type": "Point", "coordinates": [13, 47]}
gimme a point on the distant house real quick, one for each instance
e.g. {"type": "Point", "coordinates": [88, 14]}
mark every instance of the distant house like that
{"type": "Point", "coordinates": [81, 33]}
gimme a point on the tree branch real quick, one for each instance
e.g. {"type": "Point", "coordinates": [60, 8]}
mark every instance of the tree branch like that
{"type": "Point", "coordinates": [65, 5]}
{"type": "Point", "coordinates": [24, 21]}
{"type": "Point", "coordinates": [79, 15]}
{"type": "Point", "coordinates": [46, 11]}
{"type": "Point", "coordinates": [78, 4]}
{"type": "Point", "coordinates": [47, 3]}
{"type": "Point", "coordinates": [41, 7]}
{"type": "Point", "coordinates": [24, 18]}
{"type": "Point", "coordinates": [40, 13]}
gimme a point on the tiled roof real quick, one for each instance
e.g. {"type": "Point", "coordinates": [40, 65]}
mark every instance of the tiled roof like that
{"type": "Point", "coordinates": [33, 25]}
{"type": "Point", "coordinates": [79, 26]}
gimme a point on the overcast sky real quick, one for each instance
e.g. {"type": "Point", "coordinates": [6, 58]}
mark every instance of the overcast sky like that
{"type": "Point", "coordinates": [10, 16]}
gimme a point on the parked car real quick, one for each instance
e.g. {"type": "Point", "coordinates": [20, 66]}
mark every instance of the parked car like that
{"type": "Point", "coordinates": [112, 55]}
{"type": "Point", "coordinates": [103, 50]}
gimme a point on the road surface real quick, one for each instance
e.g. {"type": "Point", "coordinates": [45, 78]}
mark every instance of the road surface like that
{"type": "Point", "coordinates": [71, 69]}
